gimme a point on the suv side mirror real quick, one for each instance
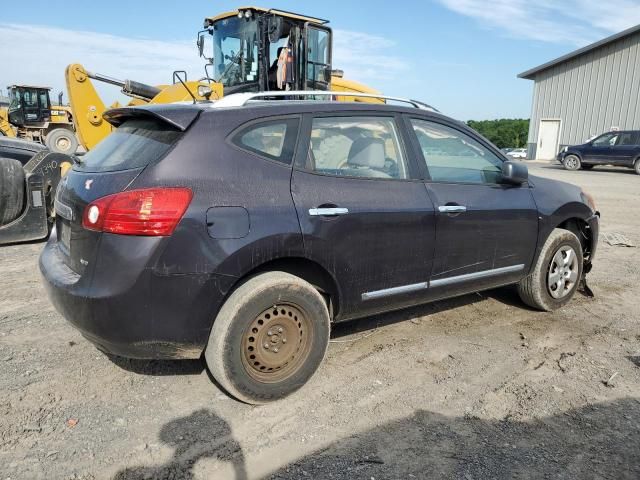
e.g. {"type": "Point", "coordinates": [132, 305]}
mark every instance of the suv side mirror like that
{"type": "Point", "coordinates": [515, 173]}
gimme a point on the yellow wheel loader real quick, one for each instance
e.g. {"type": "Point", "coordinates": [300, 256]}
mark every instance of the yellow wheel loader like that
{"type": "Point", "coordinates": [246, 50]}
{"type": "Point", "coordinates": [255, 49]}
{"type": "Point", "coordinates": [31, 116]}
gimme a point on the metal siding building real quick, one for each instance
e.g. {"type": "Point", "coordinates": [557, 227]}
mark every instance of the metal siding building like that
{"type": "Point", "coordinates": [585, 93]}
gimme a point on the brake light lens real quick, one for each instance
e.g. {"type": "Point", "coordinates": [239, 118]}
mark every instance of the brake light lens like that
{"type": "Point", "coordinates": [148, 212]}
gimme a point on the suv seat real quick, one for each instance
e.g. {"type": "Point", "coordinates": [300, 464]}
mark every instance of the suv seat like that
{"type": "Point", "coordinates": [366, 158]}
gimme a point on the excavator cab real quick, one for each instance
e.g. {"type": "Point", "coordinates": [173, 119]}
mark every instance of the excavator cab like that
{"type": "Point", "coordinates": [254, 49]}
{"type": "Point", "coordinates": [29, 105]}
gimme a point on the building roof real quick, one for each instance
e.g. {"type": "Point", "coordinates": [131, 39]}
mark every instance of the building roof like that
{"type": "Point", "coordinates": [530, 74]}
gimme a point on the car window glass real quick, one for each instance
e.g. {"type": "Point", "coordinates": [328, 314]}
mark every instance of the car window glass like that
{"type": "Point", "coordinates": [607, 140]}
{"type": "Point", "coordinates": [30, 98]}
{"type": "Point", "coordinates": [134, 144]}
{"type": "Point", "coordinates": [272, 139]}
{"type": "Point", "coordinates": [356, 147]}
{"type": "Point", "coordinates": [44, 100]}
{"type": "Point", "coordinates": [452, 156]}
{"type": "Point", "coordinates": [626, 138]}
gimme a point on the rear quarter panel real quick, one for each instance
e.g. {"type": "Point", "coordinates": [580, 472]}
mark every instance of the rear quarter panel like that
{"type": "Point", "coordinates": [222, 175]}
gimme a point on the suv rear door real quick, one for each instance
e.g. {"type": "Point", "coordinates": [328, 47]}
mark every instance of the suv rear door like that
{"type": "Point", "coordinates": [626, 149]}
{"type": "Point", "coordinates": [363, 212]}
{"type": "Point", "coordinates": [486, 232]}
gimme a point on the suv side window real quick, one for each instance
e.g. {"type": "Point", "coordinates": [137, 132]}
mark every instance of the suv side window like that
{"type": "Point", "coordinates": [454, 157]}
{"type": "Point", "coordinates": [356, 147]}
{"type": "Point", "coordinates": [606, 140]}
{"type": "Point", "coordinates": [626, 138]}
{"type": "Point", "coordinates": [271, 139]}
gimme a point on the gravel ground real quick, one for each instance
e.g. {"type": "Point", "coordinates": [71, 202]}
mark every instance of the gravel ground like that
{"type": "Point", "coordinates": [476, 387]}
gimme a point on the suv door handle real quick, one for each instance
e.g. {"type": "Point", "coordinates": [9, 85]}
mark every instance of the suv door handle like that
{"type": "Point", "coordinates": [328, 212]}
{"type": "Point", "coordinates": [452, 208]}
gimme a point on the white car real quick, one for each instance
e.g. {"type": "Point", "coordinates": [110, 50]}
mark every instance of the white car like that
{"type": "Point", "coordinates": [520, 153]}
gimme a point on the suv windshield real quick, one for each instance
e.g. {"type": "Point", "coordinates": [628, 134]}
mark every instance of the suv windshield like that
{"type": "Point", "coordinates": [235, 51]}
{"type": "Point", "coordinates": [135, 144]}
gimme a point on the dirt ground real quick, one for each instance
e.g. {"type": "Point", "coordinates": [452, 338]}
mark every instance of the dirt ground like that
{"type": "Point", "coordinates": [476, 387]}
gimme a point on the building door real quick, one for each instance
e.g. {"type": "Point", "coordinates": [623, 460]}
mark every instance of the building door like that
{"type": "Point", "coordinates": [548, 137]}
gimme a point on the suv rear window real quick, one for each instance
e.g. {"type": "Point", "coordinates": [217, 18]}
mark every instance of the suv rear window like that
{"type": "Point", "coordinates": [271, 139]}
{"type": "Point", "coordinates": [136, 143]}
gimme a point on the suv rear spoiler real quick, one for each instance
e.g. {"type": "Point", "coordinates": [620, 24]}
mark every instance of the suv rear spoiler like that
{"type": "Point", "coordinates": [177, 116]}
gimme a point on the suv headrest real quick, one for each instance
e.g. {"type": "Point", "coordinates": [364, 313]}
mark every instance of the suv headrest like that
{"type": "Point", "coordinates": [367, 152]}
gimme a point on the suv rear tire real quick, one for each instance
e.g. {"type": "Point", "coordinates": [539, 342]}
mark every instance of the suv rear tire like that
{"type": "Point", "coordinates": [557, 273]}
{"type": "Point", "coordinates": [572, 162]}
{"type": "Point", "coordinates": [12, 187]}
{"type": "Point", "coordinates": [636, 166]}
{"type": "Point", "coordinates": [269, 338]}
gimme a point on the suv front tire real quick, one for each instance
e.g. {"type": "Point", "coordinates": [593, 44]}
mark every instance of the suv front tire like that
{"type": "Point", "coordinates": [572, 162]}
{"type": "Point", "coordinates": [557, 273]}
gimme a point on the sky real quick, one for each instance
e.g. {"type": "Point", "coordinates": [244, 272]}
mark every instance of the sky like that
{"type": "Point", "coordinates": [461, 56]}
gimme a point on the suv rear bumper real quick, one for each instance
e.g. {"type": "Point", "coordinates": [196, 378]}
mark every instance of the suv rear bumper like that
{"type": "Point", "coordinates": [152, 317]}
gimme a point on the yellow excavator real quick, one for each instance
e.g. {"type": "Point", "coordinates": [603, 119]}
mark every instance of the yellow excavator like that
{"type": "Point", "coordinates": [31, 116]}
{"type": "Point", "coordinates": [250, 49]}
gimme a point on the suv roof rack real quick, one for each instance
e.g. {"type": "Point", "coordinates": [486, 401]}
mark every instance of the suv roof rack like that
{"type": "Point", "coordinates": [242, 99]}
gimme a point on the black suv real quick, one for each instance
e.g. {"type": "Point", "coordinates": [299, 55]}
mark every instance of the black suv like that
{"type": "Point", "coordinates": [242, 232]}
{"type": "Point", "coordinates": [613, 148]}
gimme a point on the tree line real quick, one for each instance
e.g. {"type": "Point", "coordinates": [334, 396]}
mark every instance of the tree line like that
{"type": "Point", "coordinates": [504, 133]}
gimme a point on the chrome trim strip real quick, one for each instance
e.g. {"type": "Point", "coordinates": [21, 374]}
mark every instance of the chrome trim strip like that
{"type": "Point", "coordinates": [414, 287]}
{"type": "Point", "coordinates": [328, 212]}
{"type": "Point", "coordinates": [395, 291]}
{"type": "Point", "coordinates": [476, 275]}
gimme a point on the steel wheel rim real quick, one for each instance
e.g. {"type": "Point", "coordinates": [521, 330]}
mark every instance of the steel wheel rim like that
{"type": "Point", "coordinates": [276, 343]}
{"type": "Point", "coordinates": [563, 272]}
{"type": "Point", "coordinates": [571, 162]}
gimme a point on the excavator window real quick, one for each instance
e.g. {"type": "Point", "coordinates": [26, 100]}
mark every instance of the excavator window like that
{"type": "Point", "coordinates": [44, 99]}
{"type": "Point", "coordinates": [235, 51]}
{"type": "Point", "coordinates": [30, 98]}
{"type": "Point", "coordinates": [318, 57]}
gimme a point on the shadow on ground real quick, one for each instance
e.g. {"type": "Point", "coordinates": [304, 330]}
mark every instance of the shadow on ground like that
{"type": "Point", "coordinates": [506, 295]}
{"type": "Point", "coordinates": [597, 441]}
{"type": "Point", "coordinates": [158, 367]}
{"type": "Point", "coordinates": [201, 435]}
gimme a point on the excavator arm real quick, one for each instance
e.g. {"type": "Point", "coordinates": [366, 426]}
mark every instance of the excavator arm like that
{"type": "Point", "coordinates": [87, 107]}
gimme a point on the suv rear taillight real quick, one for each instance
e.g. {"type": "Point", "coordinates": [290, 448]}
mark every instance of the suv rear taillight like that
{"type": "Point", "coordinates": [150, 211]}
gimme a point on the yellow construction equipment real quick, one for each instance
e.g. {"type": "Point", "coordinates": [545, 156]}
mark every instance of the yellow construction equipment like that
{"type": "Point", "coordinates": [251, 49]}
{"type": "Point", "coordinates": [88, 107]}
{"type": "Point", "coordinates": [31, 116]}
{"type": "Point", "coordinates": [256, 49]}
